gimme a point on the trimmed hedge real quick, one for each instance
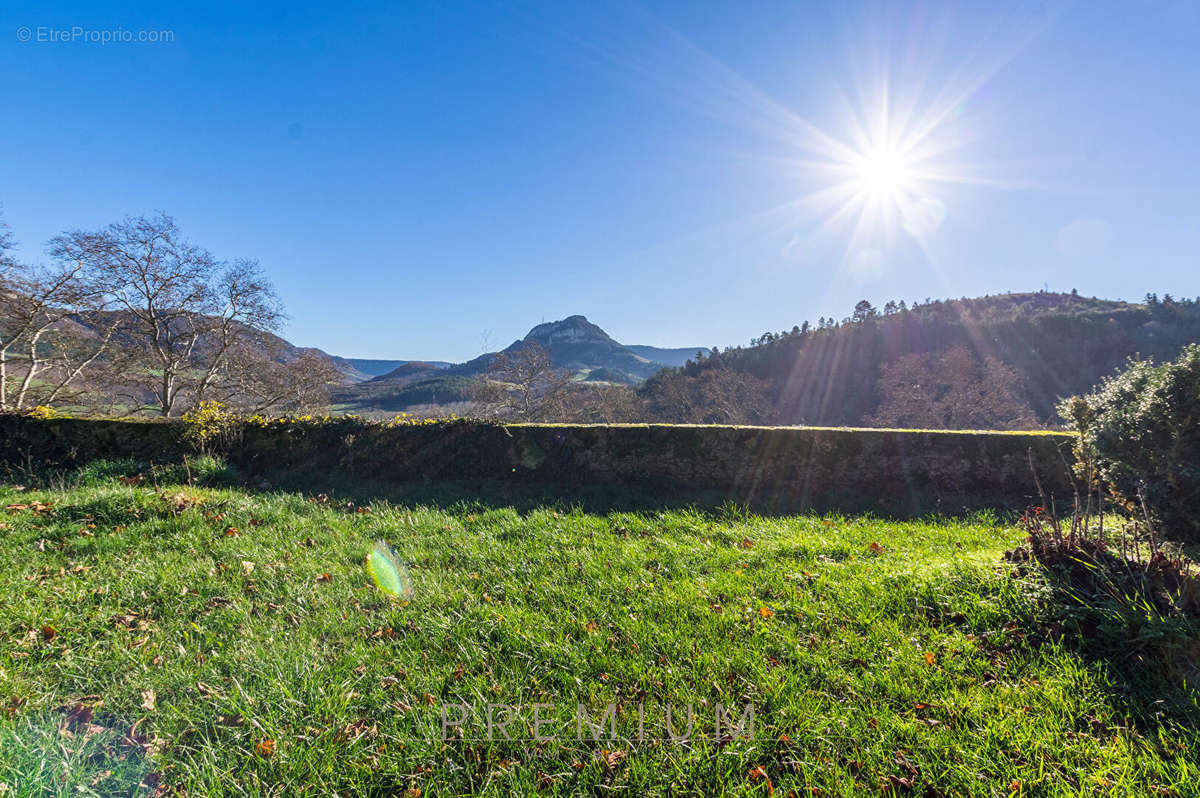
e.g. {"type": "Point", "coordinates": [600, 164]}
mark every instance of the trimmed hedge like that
{"type": "Point", "coordinates": [893, 471]}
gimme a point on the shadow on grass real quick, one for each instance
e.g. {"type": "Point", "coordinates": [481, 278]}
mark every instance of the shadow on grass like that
{"type": "Point", "coordinates": [524, 493]}
{"type": "Point", "coordinates": [519, 492]}
{"type": "Point", "coordinates": [1139, 620]}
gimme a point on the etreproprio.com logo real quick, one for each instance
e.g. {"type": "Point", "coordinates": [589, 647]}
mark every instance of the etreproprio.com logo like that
{"type": "Point", "coordinates": [79, 34]}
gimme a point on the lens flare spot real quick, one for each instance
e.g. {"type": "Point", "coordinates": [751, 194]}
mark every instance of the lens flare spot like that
{"type": "Point", "coordinates": [388, 573]}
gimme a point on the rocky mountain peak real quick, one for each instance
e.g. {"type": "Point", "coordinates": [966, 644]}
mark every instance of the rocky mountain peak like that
{"type": "Point", "coordinates": [572, 329]}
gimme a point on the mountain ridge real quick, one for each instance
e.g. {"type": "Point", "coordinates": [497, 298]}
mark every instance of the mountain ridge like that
{"type": "Point", "coordinates": [574, 343]}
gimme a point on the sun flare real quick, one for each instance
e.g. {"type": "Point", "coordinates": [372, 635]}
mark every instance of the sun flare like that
{"type": "Point", "coordinates": [886, 173]}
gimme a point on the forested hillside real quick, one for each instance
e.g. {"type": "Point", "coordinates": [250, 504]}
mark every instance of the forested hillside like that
{"type": "Point", "coordinates": [995, 362]}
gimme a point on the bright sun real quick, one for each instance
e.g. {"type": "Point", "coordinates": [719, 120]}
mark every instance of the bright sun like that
{"type": "Point", "coordinates": [885, 173]}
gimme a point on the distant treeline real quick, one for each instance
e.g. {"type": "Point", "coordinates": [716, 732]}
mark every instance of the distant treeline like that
{"type": "Point", "coordinates": [996, 362]}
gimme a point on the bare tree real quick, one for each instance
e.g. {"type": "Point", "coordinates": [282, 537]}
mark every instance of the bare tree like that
{"type": "Point", "coordinates": [257, 383]}
{"type": "Point", "coordinates": [6, 243]}
{"type": "Point", "coordinates": [954, 389]}
{"type": "Point", "coordinates": [42, 345]}
{"type": "Point", "coordinates": [523, 384]}
{"type": "Point", "coordinates": [717, 395]}
{"type": "Point", "coordinates": [183, 311]}
{"type": "Point", "coordinates": [604, 404]}
{"type": "Point", "coordinates": [245, 298]}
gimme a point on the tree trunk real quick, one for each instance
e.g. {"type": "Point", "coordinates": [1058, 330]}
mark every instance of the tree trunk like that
{"type": "Point", "coordinates": [4, 378]}
{"type": "Point", "coordinates": [33, 367]}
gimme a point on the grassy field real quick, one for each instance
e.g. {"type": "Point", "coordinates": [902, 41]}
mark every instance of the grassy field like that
{"type": "Point", "coordinates": [219, 641]}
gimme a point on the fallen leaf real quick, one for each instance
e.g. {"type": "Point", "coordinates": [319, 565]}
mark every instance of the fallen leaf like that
{"type": "Point", "coordinates": [49, 633]}
{"type": "Point", "coordinates": [207, 690]}
{"type": "Point", "coordinates": [930, 659]}
{"type": "Point", "coordinates": [875, 548]}
{"type": "Point", "coordinates": [611, 758]}
{"type": "Point", "coordinates": [903, 761]}
{"type": "Point", "coordinates": [265, 748]}
{"type": "Point", "coordinates": [765, 612]}
{"type": "Point", "coordinates": [232, 532]}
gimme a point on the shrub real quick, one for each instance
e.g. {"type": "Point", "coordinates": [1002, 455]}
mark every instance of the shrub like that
{"type": "Point", "coordinates": [209, 427]}
{"type": "Point", "coordinates": [1139, 432]}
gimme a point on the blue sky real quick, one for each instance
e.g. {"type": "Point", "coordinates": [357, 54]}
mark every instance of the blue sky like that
{"type": "Point", "coordinates": [420, 180]}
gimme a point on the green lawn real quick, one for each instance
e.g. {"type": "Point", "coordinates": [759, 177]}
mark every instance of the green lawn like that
{"type": "Point", "coordinates": [228, 642]}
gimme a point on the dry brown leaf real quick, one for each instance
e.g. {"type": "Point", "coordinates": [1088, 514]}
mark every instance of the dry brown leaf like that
{"type": "Point", "coordinates": [611, 758]}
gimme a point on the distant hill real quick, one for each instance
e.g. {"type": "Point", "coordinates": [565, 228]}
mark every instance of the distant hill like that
{"type": "Point", "coordinates": [998, 361]}
{"type": "Point", "coordinates": [412, 368]}
{"type": "Point", "coordinates": [284, 351]}
{"type": "Point", "coordinates": [377, 368]}
{"type": "Point", "coordinates": [575, 344]}
{"type": "Point", "coordinates": [669, 357]}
